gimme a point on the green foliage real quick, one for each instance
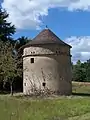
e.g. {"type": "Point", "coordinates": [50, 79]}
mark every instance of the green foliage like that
{"type": "Point", "coordinates": [6, 29]}
{"type": "Point", "coordinates": [8, 64]}
{"type": "Point", "coordinates": [88, 70]}
{"type": "Point", "coordinates": [10, 60]}
{"type": "Point", "coordinates": [21, 41]}
{"type": "Point", "coordinates": [81, 71]}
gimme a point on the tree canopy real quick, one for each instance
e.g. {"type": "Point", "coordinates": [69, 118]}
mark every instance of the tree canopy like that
{"type": "Point", "coordinates": [10, 64]}
{"type": "Point", "coordinates": [6, 28]}
{"type": "Point", "coordinates": [81, 71]}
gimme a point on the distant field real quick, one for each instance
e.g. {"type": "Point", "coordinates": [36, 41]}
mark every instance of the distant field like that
{"type": "Point", "coordinates": [81, 87]}
{"type": "Point", "coordinates": [73, 107]}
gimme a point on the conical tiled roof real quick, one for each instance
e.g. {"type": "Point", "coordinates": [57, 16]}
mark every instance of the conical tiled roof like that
{"type": "Point", "coordinates": [46, 37]}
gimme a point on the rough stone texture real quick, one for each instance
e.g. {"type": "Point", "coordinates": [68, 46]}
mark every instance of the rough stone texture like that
{"type": "Point", "coordinates": [52, 66]}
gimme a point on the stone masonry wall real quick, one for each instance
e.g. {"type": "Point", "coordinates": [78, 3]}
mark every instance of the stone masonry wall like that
{"type": "Point", "coordinates": [52, 66]}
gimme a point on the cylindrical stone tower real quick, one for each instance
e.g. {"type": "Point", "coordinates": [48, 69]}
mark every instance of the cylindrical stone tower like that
{"type": "Point", "coordinates": [47, 65]}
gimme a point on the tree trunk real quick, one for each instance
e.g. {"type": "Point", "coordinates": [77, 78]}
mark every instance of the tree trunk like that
{"type": "Point", "coordinates": [11, 87]}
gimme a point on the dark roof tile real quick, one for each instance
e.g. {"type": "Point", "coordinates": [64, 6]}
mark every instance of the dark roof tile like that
{"type": "Point", "coordinates": [46, 37]}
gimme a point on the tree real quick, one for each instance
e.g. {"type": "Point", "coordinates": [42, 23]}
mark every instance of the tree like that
{"type": "Point", "coordinates": [6, 29]}
{"type": "Point", "coordinates": [8, 65]}
{"type": "Point", "coordinates": [19, 43]}
{"type": "Point", "coordinates": [79, 72]}
{"type": "Point", "coordinates": [88, 70]}
{"type": "Point", "coordinates": [10, 62]}
{"type": "Point", "coordinates": [78, 63]}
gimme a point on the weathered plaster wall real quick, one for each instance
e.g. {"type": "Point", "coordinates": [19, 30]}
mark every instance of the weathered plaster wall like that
{"type": "Point", "coordinates": [52, 65]}
{"type": "Point", "coordinates": [46, 49]}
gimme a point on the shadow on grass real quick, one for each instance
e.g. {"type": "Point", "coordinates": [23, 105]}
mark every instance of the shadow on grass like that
{"type": "Point", "coordinates": [81, 94]}
{"type": "Point", "coordinates": [7, 92]}
{"type": "Point", "coordinates": [28, 96]}
{"type": "Point", "coordinates": [4, 92]}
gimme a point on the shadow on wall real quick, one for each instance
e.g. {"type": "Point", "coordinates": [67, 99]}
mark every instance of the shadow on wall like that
{"type": "Point", "coordinates": [55, 49]}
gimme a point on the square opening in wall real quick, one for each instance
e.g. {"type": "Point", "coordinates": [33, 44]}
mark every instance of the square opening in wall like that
{"type": "Point", "coordinates": [43, 84]}
{"type": "Point", "coordinates": [24, 84]}
{"type": "Point", "coordinates": [32, 60]}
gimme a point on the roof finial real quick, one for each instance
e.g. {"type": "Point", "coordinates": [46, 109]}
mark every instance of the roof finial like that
{"type": "Point", "coordinates": [46, 27]}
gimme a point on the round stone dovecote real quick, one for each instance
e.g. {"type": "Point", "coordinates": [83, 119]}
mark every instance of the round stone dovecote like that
{"type": "Point", "coordinates": [47, 65]}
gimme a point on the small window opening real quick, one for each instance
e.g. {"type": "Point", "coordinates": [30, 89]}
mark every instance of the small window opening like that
{"type": "Point", "coordinates": [59, 51]}
{"type": "Point", "coordinates": [56, 51]}
{"type": "Point", "coordinates": [32, 60]}
{"type": "Point", "coordinates": [44, 84]}
{"type": "Point", "coordinates": [24, 84]}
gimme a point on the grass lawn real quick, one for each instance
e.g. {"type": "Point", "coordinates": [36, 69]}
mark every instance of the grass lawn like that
{"type": "Point", "coordinates": [62, 108]}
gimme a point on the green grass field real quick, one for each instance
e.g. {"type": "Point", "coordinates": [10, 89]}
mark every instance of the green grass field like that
{"type": "Point", "coordinates": [73, 107]}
